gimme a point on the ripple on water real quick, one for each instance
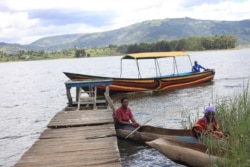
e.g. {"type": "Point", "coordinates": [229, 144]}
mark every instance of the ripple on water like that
{"type": "Point", "coordinates": [148, 157]}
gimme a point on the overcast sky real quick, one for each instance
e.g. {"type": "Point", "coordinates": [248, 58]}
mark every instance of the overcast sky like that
{"type": "Point", "coordinates": [24, 21]}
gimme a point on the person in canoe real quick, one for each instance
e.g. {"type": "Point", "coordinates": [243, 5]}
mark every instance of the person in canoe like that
{"type": "Point", "coordinates": [124, 116]}
{"type": "Point", "coordinates": [208, 124]}
{"type": "Point", "coordinates": [197, 67]}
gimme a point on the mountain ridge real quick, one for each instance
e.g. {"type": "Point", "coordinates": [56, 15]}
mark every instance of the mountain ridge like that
{"type": "Point", "coordinates": [147, 32]}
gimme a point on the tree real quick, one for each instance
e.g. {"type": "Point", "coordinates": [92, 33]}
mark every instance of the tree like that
{"type": "Point", "coordinates": [80, 53]}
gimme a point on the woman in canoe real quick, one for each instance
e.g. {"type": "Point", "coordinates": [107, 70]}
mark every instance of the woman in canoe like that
{"type": "Point", "coordinates": [124, 116]}
{"type": "Point", "coordinates": [207, 125]}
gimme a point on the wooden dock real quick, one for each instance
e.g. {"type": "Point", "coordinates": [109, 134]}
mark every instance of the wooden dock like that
{"type": "Point", "coordinates": [76, 137]}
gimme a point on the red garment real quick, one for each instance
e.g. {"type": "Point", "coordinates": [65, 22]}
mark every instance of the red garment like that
{"type": "Point", "coordinates": [203, 126]}
{"type": "Point", "coordinates": [123, 114]}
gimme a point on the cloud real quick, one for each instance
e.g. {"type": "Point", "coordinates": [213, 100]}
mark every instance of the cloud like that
{"type": "Point", "coordinates": [63, 17]}
{"type": "Point", "coordinates": [26, 21]}
{"type": "Point", "coordinates": [224, 10]}
{"type": "Point", "coordinates": [193, 3]}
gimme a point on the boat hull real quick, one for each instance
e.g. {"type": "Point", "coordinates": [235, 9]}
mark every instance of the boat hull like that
{"type": "Point", "coordinates": [164, 83]}
{"type": "Point", "coordinates": [143, 137]}
{"type": "Point", "coordinates": [185, 156]}
{"type": "Point", "coordinates": [165, 131]}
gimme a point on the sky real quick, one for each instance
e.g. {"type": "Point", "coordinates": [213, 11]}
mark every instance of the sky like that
{"type": "Point", "coordinates": [25, 21]}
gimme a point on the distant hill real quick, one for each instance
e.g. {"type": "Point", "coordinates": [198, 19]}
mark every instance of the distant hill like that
{"type": "Point", "coordinates": [10, 48]}
{"type": "Point", "coordinates": [147, 32]}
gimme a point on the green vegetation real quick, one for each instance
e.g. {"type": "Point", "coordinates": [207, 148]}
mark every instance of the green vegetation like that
{"type": "Point", "coordinates": [233, 115]}
{"type": "Point", "coordinates": [104, 51]}
{"type": "Point", "coordinates": [191, 44]}
{"type": "Point", "coordinates": [186, 44]}
{"type": "Point", "coordinates": [70, 53]}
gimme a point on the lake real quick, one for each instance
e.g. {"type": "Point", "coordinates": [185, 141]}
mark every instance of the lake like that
{"type": "Point", "coordinates": [33, 92]}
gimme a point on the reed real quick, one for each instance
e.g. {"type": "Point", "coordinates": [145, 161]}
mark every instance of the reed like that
{"type": "Point", "coordinates": [233, 114]}
{"type": "Point", "coordinates": [234, 118]}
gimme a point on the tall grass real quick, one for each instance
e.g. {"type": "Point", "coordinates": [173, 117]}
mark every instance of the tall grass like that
{"type": "Point", "coordinates": [233, 115]}
{"type": "Point", "coordinates": [234, 118]}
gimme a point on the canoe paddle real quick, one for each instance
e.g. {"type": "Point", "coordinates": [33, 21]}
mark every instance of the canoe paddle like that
{"type": "Point", "coordinates": [137, 128]}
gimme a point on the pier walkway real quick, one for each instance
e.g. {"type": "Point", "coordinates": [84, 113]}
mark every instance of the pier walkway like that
{"type": "Point", "coordinates": [76, 136]}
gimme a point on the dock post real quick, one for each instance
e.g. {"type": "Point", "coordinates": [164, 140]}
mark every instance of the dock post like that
{"type": "Point", "coordinates": [70, 101]}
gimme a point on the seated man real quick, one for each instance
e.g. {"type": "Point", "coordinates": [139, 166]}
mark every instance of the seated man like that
{"type": "Point", "coordinates": [207, 125]}
{"type": "Point", "coordinates": [124, 118]}
{"type": "Point", "coordinates": [197, 67]}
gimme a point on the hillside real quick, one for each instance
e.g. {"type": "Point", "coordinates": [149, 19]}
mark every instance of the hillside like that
{"type": "Point", "coordinates": [147, 32]}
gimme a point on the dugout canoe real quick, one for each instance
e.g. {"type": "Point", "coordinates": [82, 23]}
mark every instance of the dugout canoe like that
{"type": "Point", "coordinates": [185, 156]}
{"type": "Point", "coordinates": [167, 134]}
{"type": "Point", "coordinates": [165, 131]}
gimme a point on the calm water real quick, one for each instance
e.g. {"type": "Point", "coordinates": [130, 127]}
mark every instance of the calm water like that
{"type": "Point", "coordinates": [33, 92]}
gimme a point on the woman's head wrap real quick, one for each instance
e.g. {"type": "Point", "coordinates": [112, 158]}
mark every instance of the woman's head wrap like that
{"type": "Point", "coordinates": [209, 109]}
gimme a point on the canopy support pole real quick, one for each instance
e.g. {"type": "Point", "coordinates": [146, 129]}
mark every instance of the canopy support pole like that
{"type": "Point", "coordinates": [190, 62]}
{"type": "Point", "coordinates": [139, 73]}
{"type": "Point", "coordinates": [175, 66]}
{"type": "Point", "coordinates": [159, 70]}
{"type": "Point", "coordinates": [121, 69]}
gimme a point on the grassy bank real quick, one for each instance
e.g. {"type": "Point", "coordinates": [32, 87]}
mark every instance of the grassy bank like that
{"type": "Point", "coordinates": [234, 118]}
{"type": "Point", "coordinates": [233, 115]}
{"type": "Point", "coordinates": [41, 55]}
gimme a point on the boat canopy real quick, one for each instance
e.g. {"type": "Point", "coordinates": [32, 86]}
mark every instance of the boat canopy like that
{"type": "Point", "coordinates": [153, 55]}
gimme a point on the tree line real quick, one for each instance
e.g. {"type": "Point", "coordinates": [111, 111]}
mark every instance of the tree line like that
{"type": "Point", "coordinates": [185, 44]}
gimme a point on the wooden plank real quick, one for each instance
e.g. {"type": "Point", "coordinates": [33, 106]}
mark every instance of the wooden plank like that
{"type": "Point", "coordinates": [110, 102]}
{"type": "Point", "coordinates": [86, 101]}
{"type": "Point", "coordinates": [76, 146]}
{"type": "Point", "coordinates": [85, 132]}
{"type": "Point", "coordinates": [80, 118]}
{"type": "Point", "coordinates": [71, 141]}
